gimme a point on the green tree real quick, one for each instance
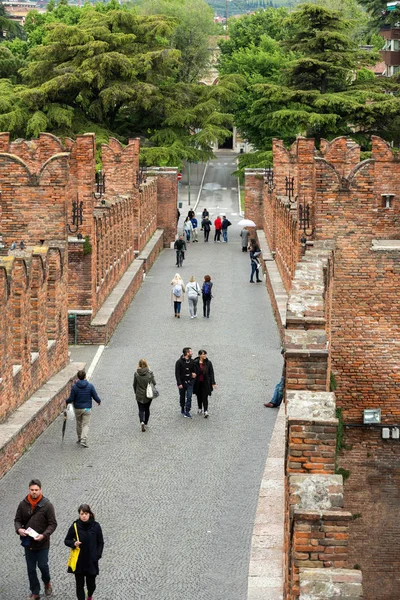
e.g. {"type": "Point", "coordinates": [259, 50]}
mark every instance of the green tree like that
{"type": "Point", "coordinates": [116, 73]}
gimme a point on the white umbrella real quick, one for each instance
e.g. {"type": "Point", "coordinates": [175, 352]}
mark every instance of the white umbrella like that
{"type": "Point", "coordinates": [247, 223]}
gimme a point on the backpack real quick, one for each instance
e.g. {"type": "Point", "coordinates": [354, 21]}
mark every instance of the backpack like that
{"type": "Point", "coordinates": [207, 288]}
{"type": "Point", "coordinates": [177, 291]}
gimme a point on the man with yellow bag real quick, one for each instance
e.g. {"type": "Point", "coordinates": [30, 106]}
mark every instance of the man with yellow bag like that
{"type": "Point", "coordinates": [34, 522]}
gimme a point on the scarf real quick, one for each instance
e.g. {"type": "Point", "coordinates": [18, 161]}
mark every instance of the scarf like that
{"type": "Point", "coordinates": [34, 502]}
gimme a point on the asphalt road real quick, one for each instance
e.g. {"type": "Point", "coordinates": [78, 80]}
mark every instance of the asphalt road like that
{"type": "Point", "coordinates": [176, 503]}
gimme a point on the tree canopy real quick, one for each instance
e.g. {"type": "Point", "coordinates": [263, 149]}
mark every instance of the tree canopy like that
{"type": "Point", "coordinates": [115, 71]}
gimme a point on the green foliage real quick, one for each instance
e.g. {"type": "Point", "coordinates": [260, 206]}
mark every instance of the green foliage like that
{"type": "Point", "coordinates": [87, 246]}
{"type": "Point", "coordinates": [121, 72]}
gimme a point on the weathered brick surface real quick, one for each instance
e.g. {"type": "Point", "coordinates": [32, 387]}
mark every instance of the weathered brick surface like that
{"type": "Point", "coordinates": [372, 495]}
{"type": "Point", "coordinates": [33, 324]}
{"type": "Point", "coordinates": [321, 584]}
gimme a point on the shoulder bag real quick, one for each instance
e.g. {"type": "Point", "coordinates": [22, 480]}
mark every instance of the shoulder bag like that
{"type": "Point", "coordinates": [74, 554]}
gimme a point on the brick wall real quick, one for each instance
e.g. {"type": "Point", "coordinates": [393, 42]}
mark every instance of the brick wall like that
{"type": "Point", "coordinates": [372, 495]}
{"type": "Point", "coordinates": [33, 324]}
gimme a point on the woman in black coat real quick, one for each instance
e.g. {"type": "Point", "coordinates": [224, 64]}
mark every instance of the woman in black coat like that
{"type": "Point", "coordinates": [204, 384]}
{"type": "Point", "coordinates": [91, 549]}
{"type": "Point", "coordinates": [142, 377]}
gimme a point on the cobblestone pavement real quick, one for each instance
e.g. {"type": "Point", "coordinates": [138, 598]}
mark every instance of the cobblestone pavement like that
{"type": "Point", "coordinates": [177, 503]}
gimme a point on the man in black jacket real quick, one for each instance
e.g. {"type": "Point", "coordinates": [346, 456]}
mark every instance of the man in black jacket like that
{"type": "Point", "coordinates": [81, 396]}
{"type": "Point", "coordinates": [185, 373]}
{"type": "Point", "coordinates": [34, 522]}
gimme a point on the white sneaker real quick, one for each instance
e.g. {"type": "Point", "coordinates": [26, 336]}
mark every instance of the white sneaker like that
{"type": "Point", "coordinates": [206, 414]}
{"type": "Point", "coordinates": [192, 317]}
{"type": "Point", "coordinates": [199, 412]}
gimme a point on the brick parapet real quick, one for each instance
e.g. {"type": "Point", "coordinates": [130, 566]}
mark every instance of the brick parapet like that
{"type": "Point", "coordinates": [254, 189]}
{"type": "Point", "coordinates": [167, 202]}
{"type": "Point", "coordinates": [33, 326]}
{"type": "Point", "coordinates": [120, 166]}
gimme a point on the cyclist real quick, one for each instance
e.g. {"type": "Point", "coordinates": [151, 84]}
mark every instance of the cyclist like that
{"type": "Point", "coordinates": [180, 247]}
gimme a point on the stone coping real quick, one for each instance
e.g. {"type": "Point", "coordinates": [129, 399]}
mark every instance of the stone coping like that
{"type": "Point", "coordinates": [267, 559]}
{"type": "Point", "coordinates": [385, 245]}
{"type": "Point", "coordinates": [109, 305]}
{"type": "Point", "coordinates": [324, 584]}
{"type": "Point", "coordinates": [23, 415]}
{"type": "Point", "coordinates": [311, 406]}
{"type": "Point", "coordinates": [316, 491]}
{"type": "Point", "coordinates": [274, 278]}
{"type": "Point", "coordinates": [151, 244]}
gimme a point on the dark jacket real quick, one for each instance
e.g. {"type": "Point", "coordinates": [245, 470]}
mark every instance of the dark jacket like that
{"type": "Point", "coordinates": [183, 371]}
{"type": "Point", "coordinates": [255, 254]}
{"type": "Point", "coordinates": [209, 379]}
{"type": "Point", "coordinates": [42, 520]}
{"type": "Point", "coordinates": [82, 393]}
{"type": "Point", "coordinates": [226, 223]}
{"type": "Point", "coordinates": [141, 378]}
{"type": "Point", "coordinates": [206, 224]}
{"type": "Point", "coordinates": [180, 245]}
{"type": "Point", "coordinates": [91, 536]}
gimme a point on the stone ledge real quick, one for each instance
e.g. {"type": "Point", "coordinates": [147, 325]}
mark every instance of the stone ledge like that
{"type": "Point", "coordinates": [325, 584]}
{"type": "Point", "coordinates": [311, 406]}
{"type": "Point", "coordinates": [147, 253]}
{"type": "Point", "coordinates": [385, 245]}
{"type": "Point", "coordinates": [266, 567]}
{"type": "Point", "coordinates": [276, 289]}
{"type": "Point", "coordinates": [26, 423]}
{"type": "Point", "coordinates": [316, 492]}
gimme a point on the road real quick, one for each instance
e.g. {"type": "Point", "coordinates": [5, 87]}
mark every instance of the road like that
{"type": "Point", "coordinates": [176, 503]}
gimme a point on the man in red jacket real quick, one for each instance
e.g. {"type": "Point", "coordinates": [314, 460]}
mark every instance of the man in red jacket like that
{"type": "Point", "coordinates": [34, 522]}
{"type": "Point", "coordinates": [218, 228]}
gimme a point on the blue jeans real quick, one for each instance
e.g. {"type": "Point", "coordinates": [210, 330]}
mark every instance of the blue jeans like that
{"type": "Point", "coordinates": [254, 269]}
{"type": "Point", "coordinates": [185, 397]}
{"type": "Point", "coordinates": [38, 558]}
{"type": "Point", "coordinates": [225, 235]}
{"type": "Point", "coordinates": [278, 393]}
{"type": "Point", "coordinates": [177, 307]}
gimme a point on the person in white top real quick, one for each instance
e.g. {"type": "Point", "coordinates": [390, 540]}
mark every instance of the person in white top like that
{"type": "Point", "coordinates": [188, 228]}
{"type": "Point", "coordinates": [193, 292]}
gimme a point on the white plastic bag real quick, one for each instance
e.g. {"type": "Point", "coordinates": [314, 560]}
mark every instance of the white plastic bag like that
{"type": "Point", "coordinates": [70, 412]}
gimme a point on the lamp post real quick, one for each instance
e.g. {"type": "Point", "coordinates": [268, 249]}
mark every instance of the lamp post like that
{"type": "Point", "coordinates": [269, 179]}
{"type": "Point", "coordinates": [100, 186]}
{"type": "Point", "coordinates": [189, 183]}
{"type": "Point", "coordinates": [76, 216]}
{"type": "Point", "coordinates": [289, 183]}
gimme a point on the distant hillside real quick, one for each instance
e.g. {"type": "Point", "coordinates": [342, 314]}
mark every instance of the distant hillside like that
{"type": "Point", "coordinates": [239, 7]}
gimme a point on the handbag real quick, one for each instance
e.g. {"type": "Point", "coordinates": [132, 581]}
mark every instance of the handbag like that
{"type": "Point", "coordinates": [152, 391]}
{"type": "Point", "coordinates": [74, 554]}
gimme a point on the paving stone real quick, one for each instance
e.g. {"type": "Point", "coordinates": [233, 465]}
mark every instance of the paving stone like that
{"type": "Point", "coordinates": [177, 503]}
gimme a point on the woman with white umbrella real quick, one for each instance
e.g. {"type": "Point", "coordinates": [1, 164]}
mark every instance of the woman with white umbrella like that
{"type": "Point", "coordinates": [244, 234]}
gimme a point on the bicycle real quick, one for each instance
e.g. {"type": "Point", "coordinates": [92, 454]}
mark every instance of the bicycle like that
{"type": "Point", "coordinates": [179, 258]}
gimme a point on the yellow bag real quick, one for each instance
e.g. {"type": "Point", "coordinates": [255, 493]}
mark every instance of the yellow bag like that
{"type": "Point", "coordinates": [74, 554]}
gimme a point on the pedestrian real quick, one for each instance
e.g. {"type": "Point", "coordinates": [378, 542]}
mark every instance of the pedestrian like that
{"type": "Point", "coordinates": [204, 383]}
{"type": "Point", "coordinates": [224, 226]}
{"type": "Point", "coordinates": [81, 396]}
{"type": "Point", "coordinates": [207, 295]}
{"type": "Point", "coordinates": [218, 227]}
{"type": "Point", "coordinates": [22, 245]}
{"type": "Point", "coordinates": [193, 220]}
{"type": "Point", "coordinates": [34, 522]}
{"type": "Point", "coordinates": [206, 228]}
{"type": "Point", "coordinates": [142, 377]}
{"type": "Point", "coordinates": [190, 213]}
{"type": "Point", "coordinates": [180, 247]}
{"type": "Point", "coordinates": [205, 213]}
{"type": "Point", "coordinates": [13, 246]}
{"type": "Point", "coordinates": [178, 290]}
{"type": "Point", "coordinates": [255, 252]}
{"type": "Point", "coordinates": [85, 533]}
{"type": "Point", "coordinates": [193, 292]}
{"type": "Point", "coordinates": [187, 228]}
{"type": "Point", "coordinates": [244, 234]}
{"type": "Point", "coordinates": [185, 374]}
{"type": "Point", "coordinates": [279, 389]}
{"type": "Point", "coordinates": [178, 215]}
